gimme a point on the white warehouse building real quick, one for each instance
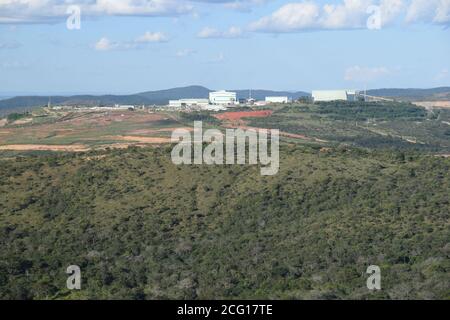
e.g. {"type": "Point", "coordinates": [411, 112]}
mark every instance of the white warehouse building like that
{"type": "Point", "coordinates": [333, 95]}
{"type": "Point", "coordinates": [277, 99]}
{"type": "Point", "coordinates": [222, 97]}
{"type": "Point", "coordinates": [188, 103]}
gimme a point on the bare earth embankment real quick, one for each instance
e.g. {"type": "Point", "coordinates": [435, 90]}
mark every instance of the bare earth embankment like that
{"type": "Point", "coordinates": [433, 104]}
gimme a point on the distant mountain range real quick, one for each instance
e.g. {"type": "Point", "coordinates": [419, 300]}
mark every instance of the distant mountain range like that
{"type": "Point", "coordinates": [163, 96]}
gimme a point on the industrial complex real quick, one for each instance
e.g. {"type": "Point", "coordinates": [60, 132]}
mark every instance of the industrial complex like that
{"type": "Point", "coordinates": [222, 99]}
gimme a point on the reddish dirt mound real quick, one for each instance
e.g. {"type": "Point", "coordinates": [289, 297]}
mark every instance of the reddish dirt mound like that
{"type": "Point", "coordinates": [243, 114]}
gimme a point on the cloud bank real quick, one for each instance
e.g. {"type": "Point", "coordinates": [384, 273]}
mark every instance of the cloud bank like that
{"type": "Point", "coordinates": [232, 32]}
{"type": "Point", "coordinates": [300, 16]}
{"type": "Point", "coordinates": [49, 11]}
{"type": "Point", "coordinates": [105, 44]}
{"type": "Point", "coordinates": [351, 14]}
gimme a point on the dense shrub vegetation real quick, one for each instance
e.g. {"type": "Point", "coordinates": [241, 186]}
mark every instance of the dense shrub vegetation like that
{"type": "Point", "coordinates": [394, 125]}
{"type": "Point", "coordinates": [362, 111]}
{"type": "Point", "coordinates": [142, 228]}
{"type": "Point", "coordinates": [16, 116]}
{"type": "Point", "coordinates": [199, 116]}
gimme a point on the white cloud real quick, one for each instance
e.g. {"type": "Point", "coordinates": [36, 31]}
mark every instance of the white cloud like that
{"type": "Point", "coordinates": [308, 15]}
{"type": "Point", "coordinates": [104, 44]}
{"type": "Point", "coordinates": [290, 17]}
{"type": "Point", "coordinates": [442, 12]}
{"type": "Point", "coordinates": [152, 37]}
{"type": "Point", "coordinates": [44, 11]}
{"type": "Point", "coordinates": [351, 14]}
{"type": "Point", "coordinates": [365, 74]}
{"type": "Point", "coordinates": [390, 10]}
{"type": "Point", "coordinates": [48, 11]}
{"type": "Point", "coordinates": [240, 5]}
{"type": "Point", "coordinates": [419, 10]}
{"type": "Point", "coordinates": [243, 5]}
{"type": "Point", "coordinates": [435, 11]}
{"type": "Point", "coordinates": [140, 7]}
{"type": "Point", "coordinates": [208, 32]}
{"type": "Point", "coordinates": [232, 32]}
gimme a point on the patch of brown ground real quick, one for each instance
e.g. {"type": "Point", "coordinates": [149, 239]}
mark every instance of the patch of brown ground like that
{"type": "Point", "coordinates": [152, 131]}
{"type": "Point", "coordinates": [435, 104]}
{"type": "Point", "coordinates": [23, 121]}
{"type": "Point", "coordinates": [232, 116]}
{"type": "Point", "coordinates": [74, 147]}
{"type": "Point", "coordinates": [140, 139]}
{"type": "Point", "coordinates": [121, 145]}
{"type": "Point", "coordinates": [104, 118]}
{"type": "Point", "coordinates": [45, 147]}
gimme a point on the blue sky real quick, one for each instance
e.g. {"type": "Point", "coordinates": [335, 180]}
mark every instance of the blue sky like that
{"type": "Point", "coordinates": [139, 45]}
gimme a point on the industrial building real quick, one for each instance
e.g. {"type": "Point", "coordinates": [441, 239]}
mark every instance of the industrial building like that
{"type": "Point", "coordinates": [277, 99]}
{"type": "Point", "coordinates": [223, 97]}
{"type": "Point", "coordinates": [202, 103]}
{"type": "Point", "coordinates": [333, 95]}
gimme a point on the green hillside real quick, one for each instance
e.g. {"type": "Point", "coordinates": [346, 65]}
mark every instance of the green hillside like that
{"type": "Point", "coordinates": [441, 93]}
{"type": "Point", "coordinates": [380, 125]}
{"type": "Point", "coordinates": [142, 228]}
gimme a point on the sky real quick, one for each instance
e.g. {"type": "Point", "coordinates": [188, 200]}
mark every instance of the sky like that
{"type": "Point", "coordinates": [130, 46]}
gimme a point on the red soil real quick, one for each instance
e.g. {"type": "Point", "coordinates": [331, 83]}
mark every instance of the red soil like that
{"type": "Point", "coordinates": [243, 114]}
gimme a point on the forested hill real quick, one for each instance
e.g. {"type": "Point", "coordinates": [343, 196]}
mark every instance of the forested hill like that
{"type": "Point", "coordinates": [141, 227]}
